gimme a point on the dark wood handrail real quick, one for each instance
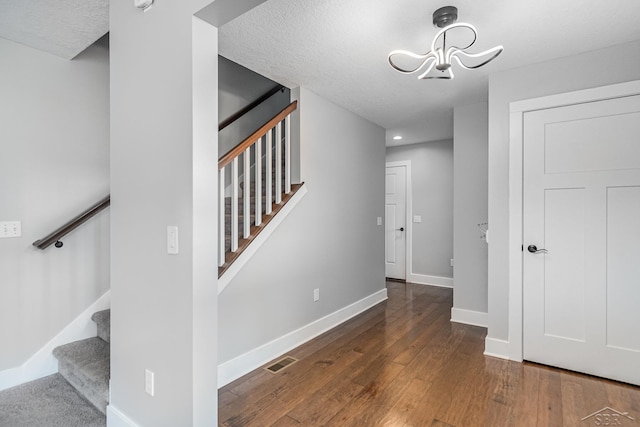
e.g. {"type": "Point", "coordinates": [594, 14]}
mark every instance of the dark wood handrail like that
{"type": "Point", "coordinates": [232, 118]}
{"type": "Point", "coordinates": [251, 139]}
{"type": "Point", "coordinates": [52, 238]}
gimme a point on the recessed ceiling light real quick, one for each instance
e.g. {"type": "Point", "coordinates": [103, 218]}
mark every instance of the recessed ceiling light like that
{"type": "Point", "coordinates": [397, 137]}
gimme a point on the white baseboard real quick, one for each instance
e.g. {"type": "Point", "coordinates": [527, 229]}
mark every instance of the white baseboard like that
{"type": "Point", "coordinates": [469, 317]}
{"type": "Point", "coordinates": [423, 279]}
{"type": "Point", "coordinates": [499, 348]}
{"type": "Point", "coordinates": [115, 418]}
{"type": "Point", "coordinates": [245, 363]}
{"type": "Point", "coordinates": [43, 363]}
{"type": "Point", "coordinates": [260, 239]}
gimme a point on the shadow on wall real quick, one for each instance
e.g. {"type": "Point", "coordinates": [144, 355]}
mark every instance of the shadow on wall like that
{"type": "Point", "coordinates": [238, 86]}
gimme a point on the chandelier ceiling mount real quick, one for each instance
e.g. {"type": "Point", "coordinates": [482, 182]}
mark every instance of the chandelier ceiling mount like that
{"type": "Point", "coordinates": [445, 16]}
{"type": "Point", "coordinates": [437, 62]}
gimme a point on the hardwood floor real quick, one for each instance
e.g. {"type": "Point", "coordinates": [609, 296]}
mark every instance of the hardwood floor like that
{"type": "Point", "coordinates": [403, 363]}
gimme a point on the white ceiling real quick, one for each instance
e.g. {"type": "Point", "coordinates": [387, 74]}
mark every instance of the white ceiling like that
{"type": "Point", "coordinates": [338, 49]}
{"type": "Point", "coordinates": [61, 27]}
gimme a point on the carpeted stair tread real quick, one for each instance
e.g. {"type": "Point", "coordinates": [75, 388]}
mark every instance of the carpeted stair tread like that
{"type": "Point", "coordinates": [103, 320]}
{"type": "Point", "coordinates": [85, 364]}
{"type": "Point", "coordinates": [47, 402]}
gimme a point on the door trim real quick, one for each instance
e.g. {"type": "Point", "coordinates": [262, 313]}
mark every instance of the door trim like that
{"type": "Point", "coordinates": [513, 348]}
{"type": "Point", "coordinates": [408, 253]}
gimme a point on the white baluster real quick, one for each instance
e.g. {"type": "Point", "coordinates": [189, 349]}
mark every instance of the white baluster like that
{"type": "Point", "coordinates": [221, 218]}
{"type": "Point", "coordinates": [279, 163]}
{"type": "Point", "coordinates": [287, 155]}
{"type": "Point", "coordinates": [269, 153]}
{"type": "Point", "coordinates": [246, 193]}
{"type": "Point", "coordinates": [234, 205]}
{"type": "Point", "coordinates": [258, 171]}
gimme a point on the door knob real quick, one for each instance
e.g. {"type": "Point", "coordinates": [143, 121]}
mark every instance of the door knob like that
{"type": "Point", "coordinates": [400, 229]}
{"type": "Point", "coordinates": [534, 250]}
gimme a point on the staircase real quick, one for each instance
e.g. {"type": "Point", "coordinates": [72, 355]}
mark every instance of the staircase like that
{"type": "Point", "coordinates": [261, 164]}
{"type": "Point", "coordinates": [265, 158]}
{"type": "Point", "coordinates": [265, 170]}
{"type": "Point", "coordinates": [243, 243]}
{"type": "Point", "coordinates": [85, 364]}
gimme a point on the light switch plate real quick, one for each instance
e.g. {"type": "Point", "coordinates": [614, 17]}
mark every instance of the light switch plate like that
{"type": "Point", "coordinates": [149, 382]}
{"type": "Point", "coordinates": [379, 220]}
{"type": "Point", "coordinates": [10, 229]}
{"type": "Point", "coordinates": [172, 240]}
{"type": "Point", "coordinates": [417, 218]}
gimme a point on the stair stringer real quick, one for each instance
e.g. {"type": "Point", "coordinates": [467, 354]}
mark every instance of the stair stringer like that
{"type": "Point", "coordinates": [259, 240]}
{"type": "Point", "coordinates": [43, 363]}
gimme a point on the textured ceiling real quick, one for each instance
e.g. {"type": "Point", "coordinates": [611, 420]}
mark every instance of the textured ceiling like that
{"type": "Point", "coordinates": [338, 49]}
{"type": "Point", "coordinates": [61, 27]}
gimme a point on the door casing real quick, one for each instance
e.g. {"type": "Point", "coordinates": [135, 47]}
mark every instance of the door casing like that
{"type": "Point", "coordinates": [513, 348]}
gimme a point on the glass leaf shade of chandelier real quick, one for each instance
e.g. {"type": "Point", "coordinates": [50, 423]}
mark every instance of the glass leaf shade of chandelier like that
{"type": "Point", "coordinates": [436, 64]}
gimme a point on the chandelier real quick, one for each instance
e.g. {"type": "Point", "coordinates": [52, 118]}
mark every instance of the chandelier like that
{"type": "Point", "coordinates": [436, 64]}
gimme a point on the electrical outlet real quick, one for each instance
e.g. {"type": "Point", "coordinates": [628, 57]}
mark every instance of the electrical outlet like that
{"type": "Point", "coordinates": [316, 294]}
{"type": "Point", "coordinates": [149, 382]}
{"type": "Point", "coordinates": [10, 229]}
{"type": "Point", "coordinates": [379, 222]}
{"type": "Point", "coordinates": [417, 218]}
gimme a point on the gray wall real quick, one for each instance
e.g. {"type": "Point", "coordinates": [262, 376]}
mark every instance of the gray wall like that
{"type": "Point", "coordinates": [237, 87]}
{"type": "Point", "coordinates": [432, 189]}
{"type": "Point", "coordinates": [163, 173]}
{"type": "Point", "coordinates": [330, 240]}
{"type": "Point", "coordinates": [583, 71]}
{"type": "Point", "coordinates": [470, 144]}
{"type": "Point", "coordinates": [54, 163]}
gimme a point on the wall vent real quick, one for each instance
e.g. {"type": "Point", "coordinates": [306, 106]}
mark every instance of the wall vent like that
{"type": "Point", "coordinates": [281, 364]}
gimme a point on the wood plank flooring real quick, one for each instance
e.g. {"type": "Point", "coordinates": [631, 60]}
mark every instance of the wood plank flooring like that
{"type": "Point", "coordinates": [404, 363]}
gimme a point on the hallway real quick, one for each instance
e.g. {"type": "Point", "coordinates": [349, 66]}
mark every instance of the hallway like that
{"type": "Point", "coordinates": [403, 363]}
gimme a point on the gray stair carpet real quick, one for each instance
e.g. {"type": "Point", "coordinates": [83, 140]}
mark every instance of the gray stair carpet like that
{"type": "Point", "coordinates": [103, 320]}
{"type": "Point", "coordinates": [48, 402]}
{"type": "Point", "coordinates": [85, 364]}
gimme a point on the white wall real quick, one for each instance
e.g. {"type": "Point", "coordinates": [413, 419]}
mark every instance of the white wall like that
{"type": "Point", "coordinates": [470, 144]}
{"type": "Point", "coordinates": [163, 173]}
{"type": "Point", "coordinates": [591, 69]}
{"type": "Point", "coordinates": [330, 241]}
{"type": "Point", "coordinates": [432, 189]}
{"type": "Point", "coordinates": [54, 163]}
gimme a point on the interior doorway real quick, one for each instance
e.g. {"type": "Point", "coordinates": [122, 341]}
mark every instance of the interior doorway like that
{"type": "Point", "coordinates": [396, 224]}
{"type": "Point", "coordinates": [575, 163]}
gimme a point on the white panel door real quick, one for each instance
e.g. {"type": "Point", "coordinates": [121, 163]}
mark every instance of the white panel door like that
{"type": "Point", "coordinates": [395, 214]}
{"type": "Point", "coordinates": [582, 213]}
